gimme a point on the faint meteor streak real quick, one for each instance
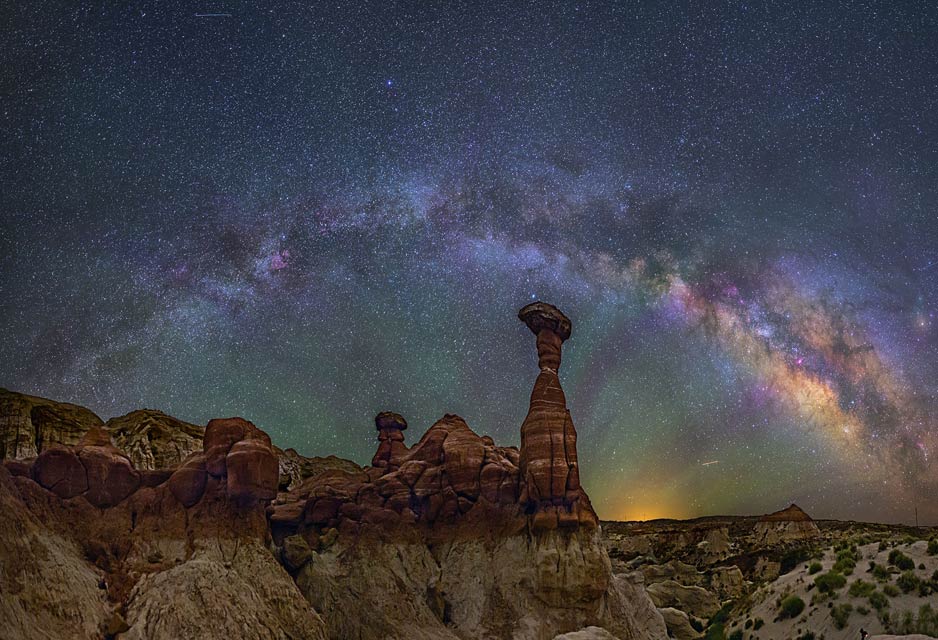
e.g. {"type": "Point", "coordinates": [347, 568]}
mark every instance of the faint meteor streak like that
{"type": "Point", "coordinates": [707, 464]}
{"type": "Point", "coordinates": [213, 15]}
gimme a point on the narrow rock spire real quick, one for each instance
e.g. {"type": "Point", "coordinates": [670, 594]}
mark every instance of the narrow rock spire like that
{"type": "Point", "coordinates": [549, 469]}
{"type": "Point", "coordinates": [391, 447]}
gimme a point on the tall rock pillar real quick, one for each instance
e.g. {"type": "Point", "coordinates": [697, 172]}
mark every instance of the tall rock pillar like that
{"type": "Point", "coordinates": [391, 447]}
{"type": "Point", "coordinates": [551, 492]}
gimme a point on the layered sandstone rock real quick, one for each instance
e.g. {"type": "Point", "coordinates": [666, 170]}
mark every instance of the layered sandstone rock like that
{"type": "Point", "coordinates": [294, 468]}
{"type": "Point", "coordinates": [695, 601]}
{"type": "Point", "coordinates": [549, 467]}
{"type": "Point", "coordinates": [122, 545]}
{"type": "Point", "coordinates": [154, 440]}
{"type": "Point", "coordinates": [454, 537]}
{"type": "Point", "coordinates": [391, 448]}
{"type": "Point", "coordinates": [29, 424]}
{"type": "Point", "coordinates": [678, 624]}
{"type": "Point", "coordinates": [788, 525]}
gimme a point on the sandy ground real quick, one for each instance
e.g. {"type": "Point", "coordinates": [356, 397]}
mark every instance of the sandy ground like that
{"type": "Point", "coordinates": [818, 618]}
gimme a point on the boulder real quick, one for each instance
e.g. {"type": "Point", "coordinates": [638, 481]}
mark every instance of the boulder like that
{"type": "Point", "coordinates": [58, 469]}
{"type": "Point", "coordinates": [678, 624]}
{"type": "Point", "coordinates": [187, 484]}
{"type": "Point", "coordinates": [111, 477]}
{"type": "Point", "coordinates": [252, 470]}
{"type": "Point", "coordinates": [696, 601]}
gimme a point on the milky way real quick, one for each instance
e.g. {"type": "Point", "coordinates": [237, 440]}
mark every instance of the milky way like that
{"type": "Point", "coordinates": [307, 214]}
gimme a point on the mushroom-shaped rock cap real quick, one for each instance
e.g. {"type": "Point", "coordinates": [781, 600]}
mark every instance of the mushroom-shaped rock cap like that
{"type": "Point", "coordinates": [540, 315]}
{"type": "Point", "coordinates": [390, 420]}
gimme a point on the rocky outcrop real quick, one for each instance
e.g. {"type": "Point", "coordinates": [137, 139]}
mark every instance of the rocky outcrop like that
{"type": "Point", "coordinates": [153, 440]}
{"type": "Point", "coordinates": [150, 439]}
{"type": "Point", "coordinates": [294, 468]}
{"type": "Point", "coordinates": [139, 539]}
{"type": "Point", "coordinates": [678, 624]}
{"type": "Point", "coordinates": [788, 525]}
{"type": "Point", "coordinates": [675, 570]}
{"type": "Point", "coordinates": [727, 582]}
{"type": "Point", "coordinates": [695, 601]}
{"type": "Point", "coordinates": [29, 425]}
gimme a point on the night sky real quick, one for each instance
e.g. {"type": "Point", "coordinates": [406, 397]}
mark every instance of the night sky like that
{"type": "Point", "coordinates": [305, 213]}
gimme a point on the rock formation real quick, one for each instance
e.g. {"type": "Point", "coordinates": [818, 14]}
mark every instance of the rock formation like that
{"type": "Point", "coordinates": [29, 424]}
{"type": "Point", "coordinates": [154, 440]}
{"type": "Point", "coordinates": [454, 537]}
{"type": "Point", "coordinates": [789, 524]}
{"type": "Point", "coordinates": [391, 449]}
{"type": "Point", "coordinates": [549, 468]}
{"type": "Point", "coordinates": [92, 547]}
{"type": "Point", "coordinates": [149, 439]}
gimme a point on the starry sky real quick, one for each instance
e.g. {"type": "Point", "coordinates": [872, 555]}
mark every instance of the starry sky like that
{"type": "Point", "coordinates": [305, 213]}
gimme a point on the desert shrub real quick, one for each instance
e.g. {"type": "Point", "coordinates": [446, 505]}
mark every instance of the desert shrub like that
{"type": "Point", "coordinates": [891, 590]}
{"type": "Point", "coordinates": [840, 614]}
{"type": "Point", "coordinates": [829, 582]}
{"type": "Point", "coordinates": [902, 561]}
{"type": "Point", "coordinates": [736, 635]}
{"type": "Point", "coordinates": [934, 576]}
{"type": "Point", "coordinates": [715, 632]}
{"type": "Point", "coordinates": [924, 589]}
{"type": "Point", "coordinates": [791, 607]}
{"type": "Point", "coordinates": [814, 568]}
{"type": "Point", "coordinates": [757, 624]}
{"type": "Point", "coordinates": [748, 623]}
{"type": "Point", "coordinates": [880, 572]}
{"type": "Point", "coordinates": [861, 589]}
{"type": "Point", "coordinates": [862, 610]}
{"type": "Point", "coordinates": [878, 600]}
{"type": "Point", "coordinates": [933, 547]}
{"type": "Point", "coordinates": [925, 623]}
{"type": "Point", "coordinates": [882, 545]}
{"type": "Point", "coordinates": [907, 581]}
{"type": "Point", "coordinates": [807, 635]}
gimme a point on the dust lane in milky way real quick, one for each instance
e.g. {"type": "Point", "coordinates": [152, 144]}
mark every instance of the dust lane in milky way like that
{"type": "Point", "coordinates": [306, 217]}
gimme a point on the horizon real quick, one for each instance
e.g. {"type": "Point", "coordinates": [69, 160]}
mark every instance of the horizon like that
{"type": "Point", "coordinates": [310, 216]}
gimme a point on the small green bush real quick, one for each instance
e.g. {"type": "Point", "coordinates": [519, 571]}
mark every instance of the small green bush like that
{"type": "Point", "coordinates": [840, 614]}
{"type": "Point", "coordinates": [791, 607]}
{"type": "Point", "coordinates": [902, 561]}
{"type": "Point", "coordinates": [748, 623]}
{"type": "Point", "coordinates": [880, 572]}
{"type": "Point", "coordinates": [807, 635]}
{"type": "Point", "coordinates": [878, 600]}
{"type": "Point", "coordinates": [861, 589]}
{"type": "Point", "coordinates": [907, 581]}
{"type": "Point", "coordinates": [933, 547]}
{"type": "Point", "coordinates": [715, 632]}
{"type": "Point", "coordinates": [829, 582]}
{"type": "Point", "coordinates": [891, 590]}
{"type": "Point", "coordinates": [814, 568]}
{"type": "Point", "coordinates": [736, 635]}
{"type": "Point", "coordinates": [757, 624]}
